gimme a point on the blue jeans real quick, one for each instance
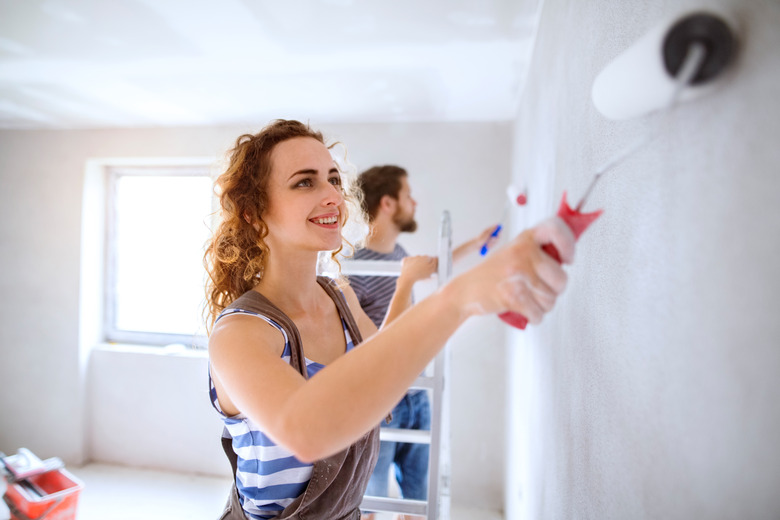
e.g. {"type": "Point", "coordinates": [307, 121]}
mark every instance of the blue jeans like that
{"type": "Point", "coordinates": [410, 460]}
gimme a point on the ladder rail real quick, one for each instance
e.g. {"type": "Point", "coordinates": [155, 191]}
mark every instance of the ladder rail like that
{"type": "Point", "coordinates": [439, 466]}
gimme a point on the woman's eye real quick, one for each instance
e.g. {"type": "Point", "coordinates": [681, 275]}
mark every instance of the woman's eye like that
{"type": "Point", "coordinates": [305, 183]}
{"type": "Point", "coordinates": [336, 181]}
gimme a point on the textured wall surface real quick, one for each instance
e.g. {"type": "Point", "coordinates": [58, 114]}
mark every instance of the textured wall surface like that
{"type": "Point", "coordinates": [653, 391]}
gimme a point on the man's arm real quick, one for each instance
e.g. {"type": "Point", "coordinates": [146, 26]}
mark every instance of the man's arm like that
{"type": "Point", "coordinates": [413, 269]}
{"type": "Point", "coordinates": [474, 244]}
{"type": "Point", "coordinates": [416, 268]}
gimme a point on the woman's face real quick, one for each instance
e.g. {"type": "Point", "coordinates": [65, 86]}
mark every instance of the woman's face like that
{"type": "Point", "coordinates": [305, 199]}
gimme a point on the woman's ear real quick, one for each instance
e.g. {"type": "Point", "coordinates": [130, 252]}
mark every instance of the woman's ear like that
{"type": "Point", "coordinates": [249, 221]}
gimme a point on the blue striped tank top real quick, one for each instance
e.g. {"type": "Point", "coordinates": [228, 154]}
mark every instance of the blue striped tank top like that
{"type": "Point", "coordinates": [268, 477]}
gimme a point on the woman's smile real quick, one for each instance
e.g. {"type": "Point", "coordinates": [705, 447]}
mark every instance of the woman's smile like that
{"type": "Point", "coordinates": [330, 221]}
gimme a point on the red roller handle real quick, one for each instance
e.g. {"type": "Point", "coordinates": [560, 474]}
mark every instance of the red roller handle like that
{"type": "Point", "coordinates": [578, 222]}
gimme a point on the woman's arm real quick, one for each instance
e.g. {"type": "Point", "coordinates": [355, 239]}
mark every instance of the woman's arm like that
{"type": "Point", "coordinates": [327, 413]}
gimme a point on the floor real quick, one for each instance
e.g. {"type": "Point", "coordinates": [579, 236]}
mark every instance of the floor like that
{"type": "Point", "coordinates": [121, 493]}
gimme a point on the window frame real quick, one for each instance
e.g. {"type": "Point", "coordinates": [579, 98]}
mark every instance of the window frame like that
{"type": "Point", "coordinates": [110, 332]}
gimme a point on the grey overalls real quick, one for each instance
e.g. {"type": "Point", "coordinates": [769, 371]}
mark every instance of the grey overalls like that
{"type": "Point", "coordinates": [337, 482]}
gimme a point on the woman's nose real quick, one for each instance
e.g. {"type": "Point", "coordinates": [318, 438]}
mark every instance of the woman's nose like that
{"type": "Point", "coordinates": [333, 196]}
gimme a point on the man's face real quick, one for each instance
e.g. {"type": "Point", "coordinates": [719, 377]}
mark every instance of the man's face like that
{"type": "Point", "coordinates": [404, 213]}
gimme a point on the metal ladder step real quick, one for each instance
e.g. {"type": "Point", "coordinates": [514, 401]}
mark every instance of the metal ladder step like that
{"type": "Point", "coordinates": [394, 505]}
{"type": "Point", "coordinates": [424, 382]}
{"type": "Point", "coordinates": [402, 435]}
{"type": "Point", "coordinates": [371, 267]}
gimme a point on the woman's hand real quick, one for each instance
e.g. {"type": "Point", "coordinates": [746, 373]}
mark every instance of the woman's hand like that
{"type": "Point", "coordinates": [519, 277]}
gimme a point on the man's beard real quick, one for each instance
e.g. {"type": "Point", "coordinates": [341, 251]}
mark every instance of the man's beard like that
{"type": "Point", "coordinates": [405, 225]}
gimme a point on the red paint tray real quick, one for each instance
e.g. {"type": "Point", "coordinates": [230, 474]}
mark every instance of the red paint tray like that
{"type": "Point", "coordinates": [52, 495]}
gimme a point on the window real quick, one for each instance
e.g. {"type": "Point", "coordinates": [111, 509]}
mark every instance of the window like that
{"type": "Point", "coordinates": [158, 222]}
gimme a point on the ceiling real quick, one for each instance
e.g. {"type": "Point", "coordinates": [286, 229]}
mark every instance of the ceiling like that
{"type": "Point", "coordinates": [133, 63]}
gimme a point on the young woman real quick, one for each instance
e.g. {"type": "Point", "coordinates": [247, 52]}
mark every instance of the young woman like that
{"type": "Point", "coordinates": [304, 446]}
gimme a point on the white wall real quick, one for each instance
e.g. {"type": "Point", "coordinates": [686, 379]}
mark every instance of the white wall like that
{"type": "Point", "coordinates": [153, 410]}
{"type": "Point", "coordinates": [652, 391]}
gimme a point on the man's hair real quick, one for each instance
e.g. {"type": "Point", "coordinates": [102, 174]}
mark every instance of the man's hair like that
{"type": "Point", "coordinates": [377, 182]}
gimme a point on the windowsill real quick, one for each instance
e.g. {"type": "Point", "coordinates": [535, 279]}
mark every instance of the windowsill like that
{"type": "Point", "coordinates": [175, 350]}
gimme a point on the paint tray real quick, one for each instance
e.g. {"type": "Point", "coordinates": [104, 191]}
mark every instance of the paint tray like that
{"type": "Point", "coordinates": [52, 495]}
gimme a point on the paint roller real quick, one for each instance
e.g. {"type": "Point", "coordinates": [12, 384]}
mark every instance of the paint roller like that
{"type": "Point", "coordinates": [678, 60]}
{"type": "Point", "coordinates": [644, 77]}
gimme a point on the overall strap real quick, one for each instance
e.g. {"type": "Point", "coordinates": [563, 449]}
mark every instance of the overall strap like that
{"type": "Point", "coordinates": [338, 298]}
{"type": "Point", "coordinates": [256, 302]}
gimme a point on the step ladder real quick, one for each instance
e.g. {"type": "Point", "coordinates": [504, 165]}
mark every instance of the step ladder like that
{"type": "Point", "coordinates": [437, 506]}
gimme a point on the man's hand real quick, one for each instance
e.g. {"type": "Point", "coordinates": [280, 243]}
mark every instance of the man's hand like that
{"type": "Point", "coordinates": [416, 268]}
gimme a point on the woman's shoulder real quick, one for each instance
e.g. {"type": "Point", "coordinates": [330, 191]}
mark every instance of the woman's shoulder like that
{"type": "Point", "coordinates": [237, 322]}
{"type": "Point", "coordinates": [243, 321]}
